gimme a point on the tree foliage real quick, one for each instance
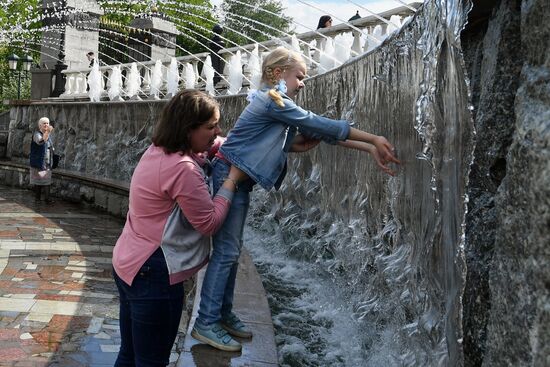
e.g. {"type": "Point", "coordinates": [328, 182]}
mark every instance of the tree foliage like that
{"type": "Point", "coordinates": [192, 18]}
{"type": "Point", "coordinates": [20, 25]}
{"type": "Point", "coordinates": [259, 20]}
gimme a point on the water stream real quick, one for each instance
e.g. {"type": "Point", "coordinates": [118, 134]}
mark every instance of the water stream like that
{"type": "Point", "coordinates": [363, 269]}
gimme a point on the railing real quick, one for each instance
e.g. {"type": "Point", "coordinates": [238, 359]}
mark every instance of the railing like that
{"type": "Point", "coordinates": [366, 34]}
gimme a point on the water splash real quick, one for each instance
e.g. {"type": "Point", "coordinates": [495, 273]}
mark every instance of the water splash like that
{"type": "Point", "coordinates": [115, 88]}
{"type": "Point", "coordinates": [133, 82]}
{"type": "Point", "coordinates": [172, 78]}
{"type": "Point", "coordinates": [156, 80]}
{"type": "Point", "coordinates": [94, 81]}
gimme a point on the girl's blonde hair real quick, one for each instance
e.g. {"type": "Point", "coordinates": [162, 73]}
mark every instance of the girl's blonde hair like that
{"type": "Point", "coordinates": [279, 58]}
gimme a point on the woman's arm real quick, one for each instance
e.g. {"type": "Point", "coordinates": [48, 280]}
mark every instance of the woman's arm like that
{"type": "Point", "coordinates": [206, 214]}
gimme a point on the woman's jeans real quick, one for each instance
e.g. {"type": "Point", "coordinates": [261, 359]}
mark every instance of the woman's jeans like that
{"type": "Point", "coordinates": [150, 311]}
{"type": "Point", "coordinates": [219, 281]}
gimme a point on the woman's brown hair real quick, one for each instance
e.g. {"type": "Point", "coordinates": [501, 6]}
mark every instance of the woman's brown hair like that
{"type": "Point", "coordinates": [186, 111]}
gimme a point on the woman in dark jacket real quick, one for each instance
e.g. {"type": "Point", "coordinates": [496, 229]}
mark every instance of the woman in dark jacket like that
{"type": "Point", "coordinates": [41, 159]}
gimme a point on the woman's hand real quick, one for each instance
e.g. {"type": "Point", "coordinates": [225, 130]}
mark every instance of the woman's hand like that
{"type": "Point", "coordinates": [233, 178]}
{"type": "Point", "coordinates": [236, 174]}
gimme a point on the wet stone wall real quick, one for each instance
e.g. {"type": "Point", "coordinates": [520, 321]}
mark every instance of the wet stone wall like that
{"type": "Point", "coordinates": [102, 139]}
{"type": "Point", "coordinates": [444, 264]}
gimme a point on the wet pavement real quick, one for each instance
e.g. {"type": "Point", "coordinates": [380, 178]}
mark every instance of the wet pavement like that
{"type": "Point", "coordinates": [59, 304]}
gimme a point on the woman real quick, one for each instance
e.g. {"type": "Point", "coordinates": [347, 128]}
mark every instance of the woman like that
{"type": "Point", "coordinates": [324, 22]}
{"type": "Point", "coordinates": [41, 159]}
{"type": "Point", "coordinates": [166, 236]}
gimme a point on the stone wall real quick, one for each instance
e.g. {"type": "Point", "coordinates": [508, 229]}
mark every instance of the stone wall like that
{"type": "Point", "coordinates": [104, 139]}
{"type": "Point", "coordinates": [508, 225]}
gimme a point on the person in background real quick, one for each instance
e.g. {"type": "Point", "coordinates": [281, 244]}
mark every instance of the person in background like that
{"type": "Point", "coordinates": [91, 58]}
{"type": "Point", "coordinates": [171, 216]}
{"type": "Point", "coordinates": [324, 22]}
{"type": "Point", "coordinates": [355, 17]}
{"type": "Point", "coordinates": [41, 159]}
{"type": "Point", "coordinates": [270, 127]}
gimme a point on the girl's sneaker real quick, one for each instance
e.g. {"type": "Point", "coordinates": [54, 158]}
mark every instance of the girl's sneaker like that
{"type": "Point", "coordinates": [235, 327]}
{"type": "Point", "coordinates": [215, 336]}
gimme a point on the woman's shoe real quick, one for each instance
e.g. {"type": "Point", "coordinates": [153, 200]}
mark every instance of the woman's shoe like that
{"type": "Point", "coordinates": [235, 326]}
{"type": "Point", "coordinates": [215, 336]}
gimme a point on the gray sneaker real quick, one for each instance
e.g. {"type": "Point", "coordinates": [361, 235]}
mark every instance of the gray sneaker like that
{"type": "Point", "coordinates": [235, 327]}
{"type": "Point", "coordinates": [215, 335]}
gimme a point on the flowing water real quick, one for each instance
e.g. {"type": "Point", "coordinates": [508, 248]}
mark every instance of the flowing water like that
{"type": "Point", "coordinates": [363, 269]}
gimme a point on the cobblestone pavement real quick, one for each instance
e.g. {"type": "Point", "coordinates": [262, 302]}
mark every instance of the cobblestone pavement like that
{"type": "Point", "coordinates": [58, 302]}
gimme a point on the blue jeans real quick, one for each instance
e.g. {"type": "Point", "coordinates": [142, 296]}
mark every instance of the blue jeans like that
{"type": "Point", "coordinates": [150, 311]}
{"type": "Point", "coordinates": [219, 281]}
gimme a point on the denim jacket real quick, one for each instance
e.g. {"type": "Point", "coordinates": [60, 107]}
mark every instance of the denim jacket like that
{"type": "Point", "coordinates": [262, 136]}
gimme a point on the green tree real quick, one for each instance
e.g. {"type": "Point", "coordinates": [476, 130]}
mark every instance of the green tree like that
{"type": "Point", "coordinates": [193, 19]}
{"type": "Point", "coordinates": [20, 25]}
{"type": "Point", "coordinates": [260, 20]}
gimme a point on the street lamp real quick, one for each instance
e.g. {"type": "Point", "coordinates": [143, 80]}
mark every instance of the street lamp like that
{"type": "Point", "coordinates": [26, 63]}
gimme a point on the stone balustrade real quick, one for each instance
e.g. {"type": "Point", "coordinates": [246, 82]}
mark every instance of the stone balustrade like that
{"type": "Point", "coordinates": [364, 34]}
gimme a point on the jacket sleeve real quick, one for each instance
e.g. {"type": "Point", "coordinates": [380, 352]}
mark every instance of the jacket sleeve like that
{"type": "Point", "coordinates": [37, 138]}
{"type": "Point", "coordinates": [189, 189]}
{"type": "Point", "coordinates": [309, 123]}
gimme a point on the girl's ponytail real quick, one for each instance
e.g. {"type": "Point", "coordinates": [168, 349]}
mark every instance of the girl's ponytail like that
{"type": "Point", "coordinates": [273, 93]}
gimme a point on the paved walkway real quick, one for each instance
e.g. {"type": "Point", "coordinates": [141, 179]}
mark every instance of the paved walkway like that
{"type": "Point", "coordinates": [59, 305]}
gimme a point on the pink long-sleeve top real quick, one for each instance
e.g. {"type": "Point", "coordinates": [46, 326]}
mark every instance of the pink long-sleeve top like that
{"type": "Point", "coordinates": [159, 181]}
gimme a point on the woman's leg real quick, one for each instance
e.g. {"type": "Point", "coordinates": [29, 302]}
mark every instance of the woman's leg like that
{"type": "Point", "coordinates": [150, 314]}
{"type": "Point", "coordinates": [46, 190]}
{"type": "Point", "coordinates": [37, 192]}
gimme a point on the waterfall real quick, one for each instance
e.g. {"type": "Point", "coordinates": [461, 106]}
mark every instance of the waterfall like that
{"type": "Point", "coordinates": [390, 250]}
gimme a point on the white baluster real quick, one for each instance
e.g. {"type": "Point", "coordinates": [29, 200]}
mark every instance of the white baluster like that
{"type": "Point", "coordinates": [307, 55]}
{"type": "Point", "coordinates": [69, 81]}
{"type": "Point", "coordinates": [82, 84]}
{"type": "Point", "coordinates": [356, 46]}
{"type": "Point", "coordinates": [146, 85]}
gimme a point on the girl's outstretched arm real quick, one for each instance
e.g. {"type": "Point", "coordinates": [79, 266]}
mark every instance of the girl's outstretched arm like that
{"type": "Point", "coordinates": [383, 146]}
{"type": "Point", "coordinates": [371, 149]}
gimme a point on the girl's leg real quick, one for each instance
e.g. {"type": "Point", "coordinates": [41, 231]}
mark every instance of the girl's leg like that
{"type": "Point", "coordinates": [243, 201]}
{"type": "Point", "coordinates": [226, 251]}
{"type": "Point", "coordinates": [150, 314]}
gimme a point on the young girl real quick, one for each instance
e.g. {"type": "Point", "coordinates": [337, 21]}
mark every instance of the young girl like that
{"type": "Point", "coordinates": [259, 144]}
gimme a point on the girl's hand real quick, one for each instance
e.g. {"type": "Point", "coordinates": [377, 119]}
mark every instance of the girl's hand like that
{"type": "Point", "coordinates": [381, 163]}
{"type": "Point", "coordinates": [385, 150]}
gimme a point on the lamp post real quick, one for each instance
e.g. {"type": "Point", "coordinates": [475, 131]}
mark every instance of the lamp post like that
{"type": "Point", "coordinates": [26, 63]}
